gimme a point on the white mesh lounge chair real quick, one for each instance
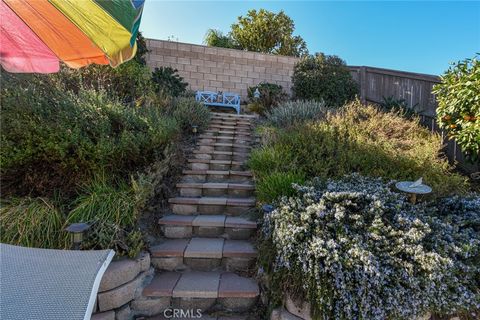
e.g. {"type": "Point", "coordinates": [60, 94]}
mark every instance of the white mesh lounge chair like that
{"type": "Point", "coordinates": [44, 284]}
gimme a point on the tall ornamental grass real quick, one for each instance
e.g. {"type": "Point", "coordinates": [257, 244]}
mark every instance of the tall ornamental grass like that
{"type": "Point", "coordinates": [32, 222]}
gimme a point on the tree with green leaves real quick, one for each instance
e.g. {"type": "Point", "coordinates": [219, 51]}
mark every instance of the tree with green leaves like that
{"type": "Point", "coordinates": [216, 38]}
{"type": "Point", "coordinates": [458, 110]}
{"type": "Point", "coordinates": [261, 31]}
{"type": "Point", "coordinates": [324, 78]}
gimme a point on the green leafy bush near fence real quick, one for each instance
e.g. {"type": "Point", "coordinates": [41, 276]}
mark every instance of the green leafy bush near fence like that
{"type": "Point", "coordinates": [458, 109]}
{"type": "Point", "coordinates": [356, 250]}
{"type": "Point", "coordinates": [360, 139]}
{"type": "Point", "coordinates": [323, 78]}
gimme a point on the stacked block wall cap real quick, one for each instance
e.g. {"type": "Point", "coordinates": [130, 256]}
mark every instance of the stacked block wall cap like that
{"type": "Point", "coordinates": [121, 284]}
{"type": "Point", "coordinates": [119, 296]}
{"type": "Point", "coordinates": [122, 271]}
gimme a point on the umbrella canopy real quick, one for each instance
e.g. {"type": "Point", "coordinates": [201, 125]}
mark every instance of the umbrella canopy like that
{"type": "Point", "coordinates": [35, 35]}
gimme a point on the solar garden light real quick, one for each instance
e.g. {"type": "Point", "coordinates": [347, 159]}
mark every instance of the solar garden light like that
{"type": "Point", "coordinates": [194, 131]}
{"type": "Point", "coordinates": [413, 188]}
{"type": "Point", "coordinates": [77, 231]}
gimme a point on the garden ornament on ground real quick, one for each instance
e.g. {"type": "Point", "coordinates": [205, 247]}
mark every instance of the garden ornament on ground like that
{"type": "Point", "coordinates": [413, 188]}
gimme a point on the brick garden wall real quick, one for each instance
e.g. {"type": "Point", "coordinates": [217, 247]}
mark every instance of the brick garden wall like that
{"type": "Point", "coordinates": [219, 69]}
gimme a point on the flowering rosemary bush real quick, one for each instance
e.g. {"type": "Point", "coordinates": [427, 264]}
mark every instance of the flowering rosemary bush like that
{"type": "Point", "coordinates": [358, 250]}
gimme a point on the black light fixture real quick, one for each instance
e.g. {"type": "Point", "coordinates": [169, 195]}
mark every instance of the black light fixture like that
{"type": "Point", "coordinates": [77, 230]}
{"type": "Point", "coordinates": [194, 131]}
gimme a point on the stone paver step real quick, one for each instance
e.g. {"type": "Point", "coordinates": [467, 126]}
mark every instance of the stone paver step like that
{"type": "Point", "coordinates": [208, 221]}
{"type": "Point", "coordinates": [224, 144]}
{"type": "Point", "coordinates": [198, 284]}
{"type": "Point", "coordinates": [228, 132]}
{"type": "Point", "coordinates": [219, 201]}
{"type": "Point", "coordinates": [221, 176]}
{"type": "Point", "coordinates": [185, 226]}
{"type": "Point", "coordinates": [231, 115]}
{"type": "Point", "coordinates": [226, 172]}
{"type": "Point", "coordinates": [225, 153]}
{"type": "Point", "coordinates": [232, 142]}
{"type": "Point", "coordinates": [219, 137]}
{"type": "Point", "coordinates": [210, 248]}
{"type": "Point", "coordinates": [214, 185]}
{"type": "Point", "coordinates": [211, 161]}
{"type": "Point", "coordinates": [232, 127]}
{"type": "Point", "coordinates": [228, 118]}
{"type": "Point", "coordinates": [212, 164]}
{"type": "Point", "coordinates": [231, 122]}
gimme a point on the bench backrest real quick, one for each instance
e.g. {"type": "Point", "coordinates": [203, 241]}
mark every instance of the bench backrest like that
{"type": "Point", "coordinates": [231, 99]}
{"type": "Point", "coordinates": [206, 96]}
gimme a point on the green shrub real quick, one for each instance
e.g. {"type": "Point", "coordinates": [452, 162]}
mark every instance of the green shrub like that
{"type": "Point", "coordinates": [188, 112]}
{"type": "Point", "coordinates": [271, 95]}
{"type": "Point", "coordinates": [32, 222]}
{"type": "Point", "coordinates": [323, 78]}
{"type": "Point", "coordinates": [458, 109]}
{"type": "Point", "coordinates": [130, 83]}
{"type": "Point", "coordinates": [356, 250]}
{"type": "Point", "coordinates": [276, 185]}
{"type": "Point", "coordinates": [113, 211]}
{"type": "Point", "coordinates": [167, 80]}
{"type": "Point", "coordinates": [52, 138]}
{"type": "Point", "coordinates": [360, 139]}
{"type": "Point", "coordinates": [295, 112]}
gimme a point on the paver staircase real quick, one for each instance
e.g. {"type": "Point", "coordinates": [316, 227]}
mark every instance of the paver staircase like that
{"type": "Point", "coordinates": [205, 261]}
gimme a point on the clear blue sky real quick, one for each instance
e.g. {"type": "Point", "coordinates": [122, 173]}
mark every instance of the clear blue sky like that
{"type": "Point", "coordinates": [412, 36]}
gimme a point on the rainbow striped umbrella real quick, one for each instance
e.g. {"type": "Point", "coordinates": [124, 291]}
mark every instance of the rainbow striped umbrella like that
{"type": "Point", "coordinates": [37, 34]}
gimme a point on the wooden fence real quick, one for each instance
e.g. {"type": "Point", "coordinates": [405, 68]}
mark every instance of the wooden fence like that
{"type": "Point", "coordinates": [416, 90]}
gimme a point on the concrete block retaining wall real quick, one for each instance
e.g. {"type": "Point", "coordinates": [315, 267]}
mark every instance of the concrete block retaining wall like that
{"type": "Point", "coordinates": [220, 69]}
{"type": "Point", "coordinates": [120, 292]}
